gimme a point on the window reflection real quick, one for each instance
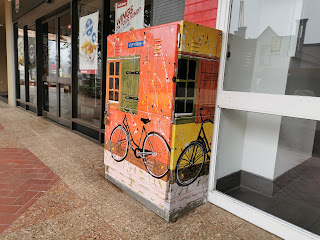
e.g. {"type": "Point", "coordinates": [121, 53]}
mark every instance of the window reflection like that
{"type": "Point", "coordinates": [274, 47]}
{"type": "Point", "coordinates": [89, 106]}
{"type": "Point", "coordinates": [21, 67]}
{"type": "Point", "coordinates": [32, 64]}
{"type": "Point", "coordinates": [65, 46]}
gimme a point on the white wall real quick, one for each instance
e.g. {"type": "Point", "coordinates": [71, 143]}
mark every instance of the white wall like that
{"type": "Point", "coordinates": [261, 144]}
{"type": "Point", "coordinates": [231, 138]}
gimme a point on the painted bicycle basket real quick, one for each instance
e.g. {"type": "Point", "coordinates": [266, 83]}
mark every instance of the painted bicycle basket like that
{"type": "Point", "coordinates": [161, 89]}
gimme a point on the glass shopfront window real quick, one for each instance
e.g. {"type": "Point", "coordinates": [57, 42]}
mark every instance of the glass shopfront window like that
{"type": "Point", "coordinates": [65, 46]}
{"type": "Point", "coordinates": [90, 60]}
{"type": "Point", "coordinates": [21, 65]}
{"type": "Point", "coordinates": [274, 47]}
{"type": "Point", "coordinates": [272, 163]}
{"type": "Point", "coordinates": [32, 64]}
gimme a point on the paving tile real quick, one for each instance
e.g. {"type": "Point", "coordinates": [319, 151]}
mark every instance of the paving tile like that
{"type": "Point", "coordinates": [19, 171]}
{"type": "Point", "coordinates": [41, 230]}
{"type": "Point", "coordinates": [99, 233]}
{"type": "Point", "coordinates": [7, 200]}
{"type": "Point", "coordinates": [58, 200]}
{"type": "Point", "coordinates": [7, 218]}
{"type": "Point", "coordinates": [26, 197]}
{"type": "Point", "coordinates": [250, 232]}
{"type": "Point", "coordinates": [72, 224]}
{"type": "Point", "coordinates": [31, 216]}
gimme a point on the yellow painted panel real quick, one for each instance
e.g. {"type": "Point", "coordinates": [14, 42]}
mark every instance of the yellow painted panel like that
{"type": "Point", "coordinates": [183, 135]}
{"type": "Point", "coordinates": [198, 39]}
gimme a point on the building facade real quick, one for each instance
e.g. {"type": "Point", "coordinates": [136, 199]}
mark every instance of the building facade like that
{"type": "Point", "coordinates": [265, 147]}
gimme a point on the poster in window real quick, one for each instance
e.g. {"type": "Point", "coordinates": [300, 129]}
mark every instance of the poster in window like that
{"type": "Point", "coordinates": [129, 15]}
{"type": "Point", "coordinates": [88, 43]}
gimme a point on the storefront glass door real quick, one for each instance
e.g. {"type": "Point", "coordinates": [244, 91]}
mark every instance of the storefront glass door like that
{"type": "Point", "coordinates": [56, 37]}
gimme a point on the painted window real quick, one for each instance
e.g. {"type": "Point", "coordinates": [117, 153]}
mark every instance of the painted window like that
{"type": "Point", "coordinates": [130, 72]}
{"type": "Point", "coordinates": [186, 85]}
{"type": "Point", "coordinates": [113, 84]}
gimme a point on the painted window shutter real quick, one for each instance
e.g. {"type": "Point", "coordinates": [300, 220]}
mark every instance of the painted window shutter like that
{"type": "Point", "coordinates": [130, 84]}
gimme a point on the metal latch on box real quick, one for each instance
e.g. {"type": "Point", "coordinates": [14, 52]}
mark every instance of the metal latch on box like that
{"type": "Point", "coordinates": [133, 72]}
{"type": "Point", "coordinates": [132, 98]}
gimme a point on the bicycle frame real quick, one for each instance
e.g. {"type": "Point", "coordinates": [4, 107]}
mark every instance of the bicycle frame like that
{"type": "Point", "coordinates": [204, 139]}
{"type": "Point", "coordinates": [125, 124]}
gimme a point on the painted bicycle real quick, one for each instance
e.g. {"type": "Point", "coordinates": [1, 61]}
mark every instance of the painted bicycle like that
{"type": "Point", "coordinates": [192, 158]}
{"type": "Point", "coordinates": [153, 148]}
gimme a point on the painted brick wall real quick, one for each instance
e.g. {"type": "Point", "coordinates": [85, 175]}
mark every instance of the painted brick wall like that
{"type": "Point", "coordinates": [166, 11]}
{"type": "Point", "coordinates": [203, 12]}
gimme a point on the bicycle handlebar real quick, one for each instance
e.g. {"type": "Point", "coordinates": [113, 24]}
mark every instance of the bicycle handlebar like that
{"type": "Point", "coordinates": [206, 120]}
{"type": "Point", "coordinates": [128, 110]}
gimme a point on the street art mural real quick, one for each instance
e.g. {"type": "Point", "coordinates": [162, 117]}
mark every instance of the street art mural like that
{"type": "Point", "coordinates": [160, 101]}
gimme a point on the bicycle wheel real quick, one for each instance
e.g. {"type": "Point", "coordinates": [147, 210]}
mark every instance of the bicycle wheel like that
{"type": "Point", "coordinates": [190, 163]}
{"type": "Point", "coordinates": [119, 143]}
{"type": "Point", "coordinates": [156, 155]}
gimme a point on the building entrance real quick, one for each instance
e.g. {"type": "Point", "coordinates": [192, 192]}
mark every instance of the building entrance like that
{"type": "Point", "coordinates": [56, 78]}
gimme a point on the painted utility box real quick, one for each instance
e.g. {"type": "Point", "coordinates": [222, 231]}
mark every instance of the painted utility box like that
{"type": "Point", "coordinates": [160, 101]}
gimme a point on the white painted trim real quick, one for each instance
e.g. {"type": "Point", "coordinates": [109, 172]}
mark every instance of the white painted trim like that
{"type": "Point", "coordinates": [260, 218]}
{"type": "Point", "coordinates": [223, 18]}
{"type": "Point", "coordinates": [283, 105]}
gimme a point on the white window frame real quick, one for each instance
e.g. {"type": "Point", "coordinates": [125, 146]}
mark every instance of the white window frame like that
{"type": "Point", "coordinates": [281, 105]}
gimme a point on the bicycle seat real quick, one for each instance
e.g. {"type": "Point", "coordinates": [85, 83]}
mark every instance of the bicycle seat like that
{"type": "Point", "coordinates": [145, 120]}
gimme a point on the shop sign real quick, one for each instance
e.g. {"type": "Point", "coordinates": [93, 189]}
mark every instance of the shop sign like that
{"type": "Point", "coordinates": [129, 15]}
{"type": "Point", "coordinates": [88, 43]}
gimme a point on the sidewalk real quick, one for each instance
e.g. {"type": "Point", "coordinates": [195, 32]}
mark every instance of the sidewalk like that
{"type": "Point", "coordinates": [75, 201]}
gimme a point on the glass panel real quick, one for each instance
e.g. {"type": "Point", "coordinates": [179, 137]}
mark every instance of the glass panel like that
{"type": "Point", "coordinates": [111, 69]}
{"type": "Point", "coordinates": [117, 83]}
{"type": "Point", "coordinates": [179, 106]}
{"type": "Point", "coordinates": [32, 64]}
{"type": "Point", "coordinates": [182, 68]}
{"type": "Point", "coordinates": [189, 106]}
{"type": "Point", "coordinates": [49, 48]}
{"type": "Point", "coordinates": [190, 89]}
{"type": "Point", "coordinates": [147, 14]}
{"type": "Point", "coordinates": [180, 89]}
{"type": "Point", "coordinates": [117, 68]}
{"type": "Point", "coordinates": [272, 163]}
{"type": "Point", "coordinates": [110, 83]}
{"type": "Point", "coordinates": [50, 97]}
{"type": "Point", "coordinates": [89, 83]}
{"type": "Point", "coordinates": [273, 47]}
{"type": "Point", "coordinates": [116, 96]}
{"type": "Point", "coordinates": [192, 70]}
{"type": "Point", "coordinates": [21, 67]}
{"type": "Point", "coordinates": [65, 101]}
{"type": "Point", "coordinates": [65, 46]}
{"type": "Point", "coordinates": [110, 95]}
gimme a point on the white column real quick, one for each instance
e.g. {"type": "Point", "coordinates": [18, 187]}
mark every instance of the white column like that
{"type": "Point", "coordinates": [10, 54]}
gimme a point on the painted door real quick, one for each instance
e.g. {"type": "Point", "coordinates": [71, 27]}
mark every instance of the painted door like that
{"type": "Point", "coordinates": [207, 89]}
{"type": "Point", "coordinates": [130, 73]}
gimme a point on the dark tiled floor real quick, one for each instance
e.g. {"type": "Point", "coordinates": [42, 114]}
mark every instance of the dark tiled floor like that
{"type": "Point", "coordinates": [297, 202]}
